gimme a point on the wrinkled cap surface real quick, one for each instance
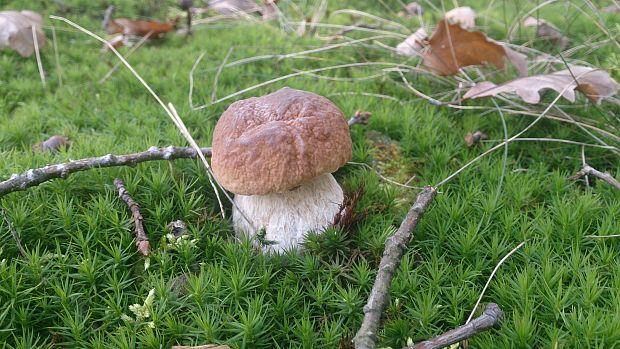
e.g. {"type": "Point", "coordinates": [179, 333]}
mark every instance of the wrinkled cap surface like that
{"type": "Point", "coordinates": [276, 142]}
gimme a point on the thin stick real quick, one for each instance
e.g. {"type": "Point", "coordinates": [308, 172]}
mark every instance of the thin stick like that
{"type": "Point", "coordinates": [38, 55]}
{"type": "Point", "coordinates": [34, 177]}
{"type": "Point", "coordinates": [57, 58]}
{"type": "Point", "coordinates": [129, 53]}
{"type": "Point", "coordinates": [492, 316]}
{"type": "Point", "coordinates": [142, 241]}
{"type": "Point", "coordinates": [395, 247]}
{"type": "Point", "coordinates": [605, 176]}
{"type": "Point", "coordinates": [9, 224]}
{"type": "Point", "coordinates": [391, 181]}
{"type": "Point", "coordinates": [218, 73]}
{"type": "Point", "coordinates": [484, 289]}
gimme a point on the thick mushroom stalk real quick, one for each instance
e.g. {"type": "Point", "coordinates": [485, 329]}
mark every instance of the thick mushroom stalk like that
{"type": "Point", "coordinates": [289, 216]}
{"type": "Point", "coordinates": [277, 153]}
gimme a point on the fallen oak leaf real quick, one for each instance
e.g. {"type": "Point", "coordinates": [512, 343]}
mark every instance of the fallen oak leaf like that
{"type": "Point", "coordinates": [52, 144]}
{"type": "Point", "coordinates": [451, 48]}
{"type": "Point", "coordinates": [16, 31]}
{"type": "Point", "coordinates": [596, 84]}
{"type": "Point", "coordinates": [547, 31]}
{"type": "Point", "coordinates": [463, 16]}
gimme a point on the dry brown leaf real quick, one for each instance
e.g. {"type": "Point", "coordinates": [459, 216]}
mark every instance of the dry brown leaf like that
{"type": "Point", "coordinates": [413, 45]}
{"type": "Point", "coordinates": [411, 9]}
{"type": "Point", "coordinates": [52, 144]}
{"type": "Point", "coordinates": [16, 31]}
{"type": "Point", "coordinates": [463, 16]}
{"type": "Point", "coordinates": [547, 31]}
{"type": "Point", "coordinates": [451, 47]}
{"type": "Point", "coordinates": [140, 28]}
{"type": "Point", "coordinates": [596, 84]}
{"type": "Point", "coordinates": [473, 138]}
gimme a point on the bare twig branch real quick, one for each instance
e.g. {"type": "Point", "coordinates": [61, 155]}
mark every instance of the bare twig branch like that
{"type": "Point", "coordinates": [37, 176]}
{"type": "Point", "coordinates": [142, 241]}
{"type": "Point", "coordinates": [589, 170]}
{"type": "Point", "coordinates": [395, 247]}
{"type": "Point", "coordinates": [9, 225]}
{"type": "Point", "coordinates": [492, 316]}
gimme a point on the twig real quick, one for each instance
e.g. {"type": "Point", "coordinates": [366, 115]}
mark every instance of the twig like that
{"type": "Point", "coordinates": [603, 236]}
{"type": "Point", "coordinates": [395, 247]}
{"type": "Point", "coordinates": [589, 170]}
{"type": "Point", "coordinates": [34, 177]}
{"type": "Point", "coordinates": [22, 252]}
{"type": "Point", "coordinates": [37, 176]}
{"type": "Point", "coordinates": [142, 241]}
{"type": "Point", "coordinates": [492, 316]}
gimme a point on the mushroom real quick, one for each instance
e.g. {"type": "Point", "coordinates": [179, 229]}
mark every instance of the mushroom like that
{"type": "Point", "coordinates": [277, 153]}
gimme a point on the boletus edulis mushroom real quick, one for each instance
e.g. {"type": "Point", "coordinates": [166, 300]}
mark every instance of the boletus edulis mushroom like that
{"type": "Point", "coordinates": [277, 153]}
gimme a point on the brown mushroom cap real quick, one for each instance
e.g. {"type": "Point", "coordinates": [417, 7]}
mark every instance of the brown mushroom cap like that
{"type": "Point", "coordinates": [275, 142]}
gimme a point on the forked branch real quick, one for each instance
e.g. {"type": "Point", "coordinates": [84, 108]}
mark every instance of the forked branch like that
{"type": "Point", "coordinates": [588, 170]}
{"type": "Point", "coordinates": [395, 247]}
{"type": "Point", "coordinates": [492, 316]}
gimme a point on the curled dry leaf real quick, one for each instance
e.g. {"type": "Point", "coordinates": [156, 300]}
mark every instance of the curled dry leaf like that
{"type": "Point", "coordinates": [473, 138]}
{"type": "Point", "coordinates": [52, 144]}
{"type": "Point", "coordinates": [596, 84]}
{"type": "Point", "coordinates": [451, 48]}
{"type": "Point", "coordinates": [547, 31]}
{"type": "Point", "coordinates": [16, 31]}
{"type": "Point", "coordinates": [463, 16]}
{"type": "Point", "coordinates": [413, 45]}
{"type": "Point", "coordinates": [411, 9]}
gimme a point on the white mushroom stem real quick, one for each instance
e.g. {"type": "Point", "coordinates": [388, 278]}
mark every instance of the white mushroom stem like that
{"type": "Point", "coordinates": [288, 217]}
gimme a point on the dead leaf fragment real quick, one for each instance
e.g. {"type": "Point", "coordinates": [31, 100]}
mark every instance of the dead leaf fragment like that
{"type": "Point", "coordinates": [451, 48]}
{"type": "Point", "coordinates": [596, 84]}
{"type": "Point", "coordinates": [473, 138]}
{"type": "Point", "coordinates": [413, 45]}
{"type": "Point", "coordinates": [52, 144]}
{"type": "Point", "coordinates": [16, 31]}
{"type": "Point", "coordinates": [547, 31]}
{"type": "Point", "coordinates": [613, 8]}
{"type": "Point", "coordinates": [131, 27]}
{"type": "Point", "coordinates": [411, 9]}
{"type": "Point", "coordinates": [463, 16]}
